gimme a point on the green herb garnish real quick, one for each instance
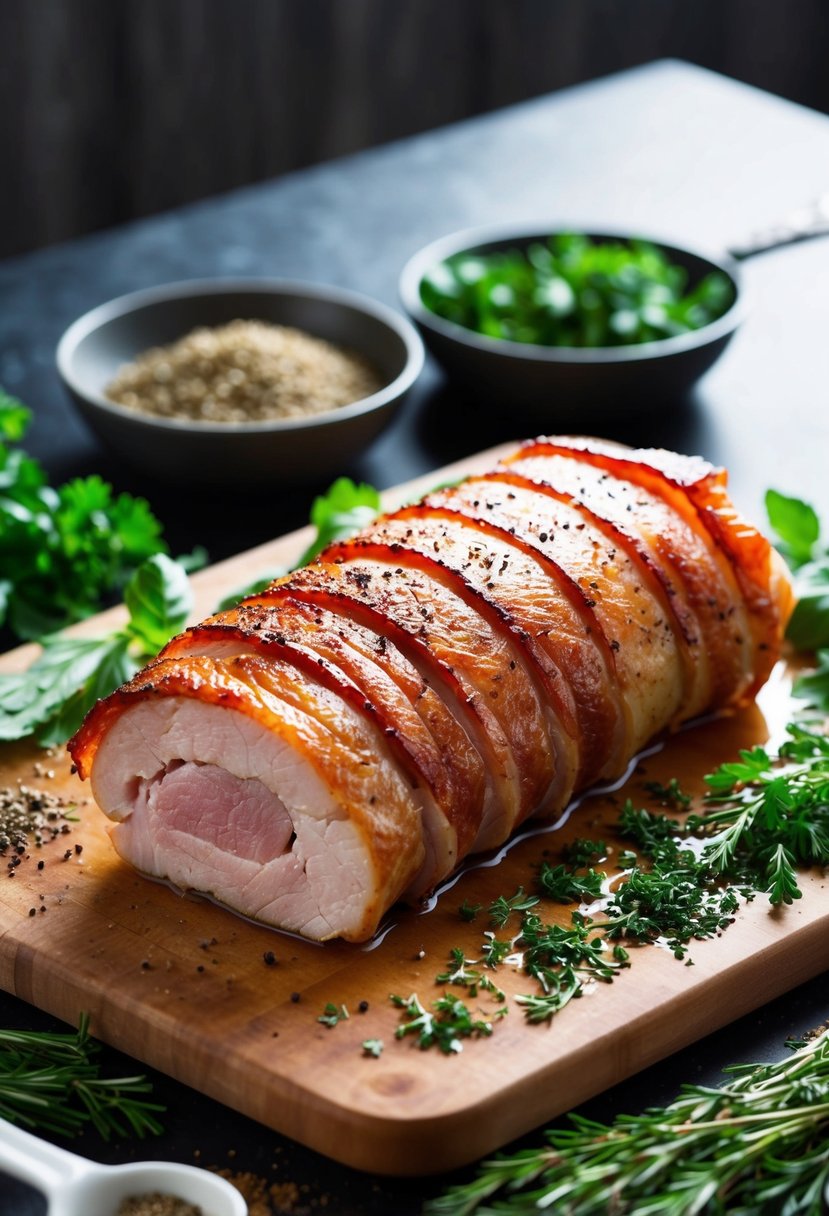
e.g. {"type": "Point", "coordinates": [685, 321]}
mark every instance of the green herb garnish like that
{"type": "Point", "coordinates": [464, 973]}
{"type": "Point", "coordinates": [63, 551]}
{"type": "Point", "coordinates": [501, 909]}
{"type": "Point", "coordinates": [443, 1026]}
{"type": "Point", "coordinates": [565, 886]}
{"type": "Point", "coordinates": [581, 853]}
{"type": "Point", "coordinates": [373, 1048]}
{"type": "Point", "coordinates": [51, 698]}
{"type": "Point", "coordinates": [576, 292]}
{"type": "Point", "coordinates": [757, 1145]}
{"type": "Point", "coordinates": [52, 1083]}
{"type": "Point", "coordinates": [468, 911]}
{"type": "Point", "coordinates": [670, 794]}
{"type": "Point", "coordinates": [332, 1014]}
{"type": "Point", "coordinates": [765, 817]}
{"type": "Point", "coordinates": [798, 528]}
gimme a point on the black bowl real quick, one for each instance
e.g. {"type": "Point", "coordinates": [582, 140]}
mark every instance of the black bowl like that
{"type": "Point", "coordinates": [243, 454]}
{"type": "Point", "coordinates": [568, 386]}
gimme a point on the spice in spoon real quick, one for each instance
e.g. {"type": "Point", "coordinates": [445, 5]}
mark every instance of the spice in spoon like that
{"type": "Point", "coordinates": [156, 1204]}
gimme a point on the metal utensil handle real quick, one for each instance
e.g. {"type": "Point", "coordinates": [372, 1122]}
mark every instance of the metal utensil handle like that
{"type": "Point", "coordinates": [42, 1165]}
{"type": "Point", "coordinates": [804, 224]}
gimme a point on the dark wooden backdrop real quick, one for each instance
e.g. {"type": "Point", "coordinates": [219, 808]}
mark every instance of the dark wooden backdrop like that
{"type": "Point", "coordinates": [111, 109]}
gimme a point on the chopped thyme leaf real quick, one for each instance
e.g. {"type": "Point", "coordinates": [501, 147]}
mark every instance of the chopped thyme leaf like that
{"type": "Point", "coordinates": [332, 1014]}
{"type": "Point", "coordinates": [463, 973]}
{"type": "Point", "coordinates": [580, 853]}
{"type": "Point", "coordinates": [501, 909]}
{"type": "Point", "coordinates": [494, 950]}
{"type": "Point", "coordinates": [647, 829]}
{"type": "Point", "coordinates": [670, 794]}
{"type": "Point", "coordinates": [373, 1048]}
{"type": "Point", "coordinates": [566, 887]}
{"type": "Point", "coordinates": [468, 911]}
{"type": "Point", "coordinates": [449, 1021]}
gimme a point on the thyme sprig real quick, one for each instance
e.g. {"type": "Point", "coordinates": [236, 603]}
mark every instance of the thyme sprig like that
{"type": "Point", "coordinates": [766, 816]}
{"type": "Point", "coordinates": [52, 1083]}
{"type": "Point", "coordinates": [757, 1145]}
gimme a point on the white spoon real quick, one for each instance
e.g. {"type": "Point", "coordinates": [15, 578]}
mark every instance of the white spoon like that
{"type": "Point", "coordinates": [74, 1186]}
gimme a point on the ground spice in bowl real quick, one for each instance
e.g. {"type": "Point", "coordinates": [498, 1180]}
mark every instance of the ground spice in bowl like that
{"type": "Point", "coordinates": [246, 371]}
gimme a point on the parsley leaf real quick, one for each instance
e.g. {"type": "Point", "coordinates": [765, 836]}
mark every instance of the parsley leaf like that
{"type": "Point", "coordinates": [565, 886]}
{"type": "Point", "coordinates": [63, 550]}
{"type": "Point", "coordinates": [14, 418]}
{"type": "Point", "coordinates": [808, 627]}
{"type": "Point", "coordinates": [332, 1014]}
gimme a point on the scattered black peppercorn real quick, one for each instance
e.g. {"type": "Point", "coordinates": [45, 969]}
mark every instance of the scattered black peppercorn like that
{"type": "Point", "coordinates": [363, 1007]}
{"type": "Point", "coordinates": [270, 958]}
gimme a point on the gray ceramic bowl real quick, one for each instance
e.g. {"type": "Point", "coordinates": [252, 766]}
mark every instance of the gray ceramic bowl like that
{"type": "Point", "coordinates": [244, 454]}
{"type": "Point", "coordinates": [566, 386]}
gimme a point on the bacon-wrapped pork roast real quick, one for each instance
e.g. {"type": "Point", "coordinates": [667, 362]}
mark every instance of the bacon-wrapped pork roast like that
{"type": "Point", "coordinates": [347, 737]}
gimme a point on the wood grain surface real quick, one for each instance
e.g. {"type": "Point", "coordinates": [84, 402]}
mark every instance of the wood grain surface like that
{"type": "Point", "coordinates": [184, 985]}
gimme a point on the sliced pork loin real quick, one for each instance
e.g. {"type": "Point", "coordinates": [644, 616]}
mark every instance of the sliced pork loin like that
{"type": "Point", "coordinates": [242, 779]}
{"type": "Point", "coordinates": [345, 738]}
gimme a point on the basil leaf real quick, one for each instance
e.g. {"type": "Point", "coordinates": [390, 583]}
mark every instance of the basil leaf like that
{"type": "Point", "coordinates": [343, 510]}
{"type": "Point", "coordinates": [67, 667]}
{"type": "Point", "coordinates": [159, 600]}
{"type": "Point", "coordinates": [796, 523]}
{"type": "Point", "coordinates": [116, 666]}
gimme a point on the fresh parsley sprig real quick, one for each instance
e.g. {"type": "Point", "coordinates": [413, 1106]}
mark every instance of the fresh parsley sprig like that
{"type": "Point", "coordinates": [757, 1145]}
{"type": "Point", "coordinates": [63, 550]}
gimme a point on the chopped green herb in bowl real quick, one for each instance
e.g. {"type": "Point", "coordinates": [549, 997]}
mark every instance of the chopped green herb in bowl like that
{"type": "Point", "coordinates": [572, 290]}
{"type": "Point", "coordinates": [570, 327]}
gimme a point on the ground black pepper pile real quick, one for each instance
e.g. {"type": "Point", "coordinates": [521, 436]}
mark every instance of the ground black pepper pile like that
{"type": "Point", "coordinates": [29, 818]}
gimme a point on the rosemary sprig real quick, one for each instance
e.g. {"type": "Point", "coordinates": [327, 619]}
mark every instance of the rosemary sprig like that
{"type": "Point", "coordinates": [52, 1082]}
{"type": "Point", "coordinates": [755, 1147]}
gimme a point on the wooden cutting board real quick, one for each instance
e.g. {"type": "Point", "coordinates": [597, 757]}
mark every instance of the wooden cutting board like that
{"type": "Point", "coordinates": [184, 986]}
